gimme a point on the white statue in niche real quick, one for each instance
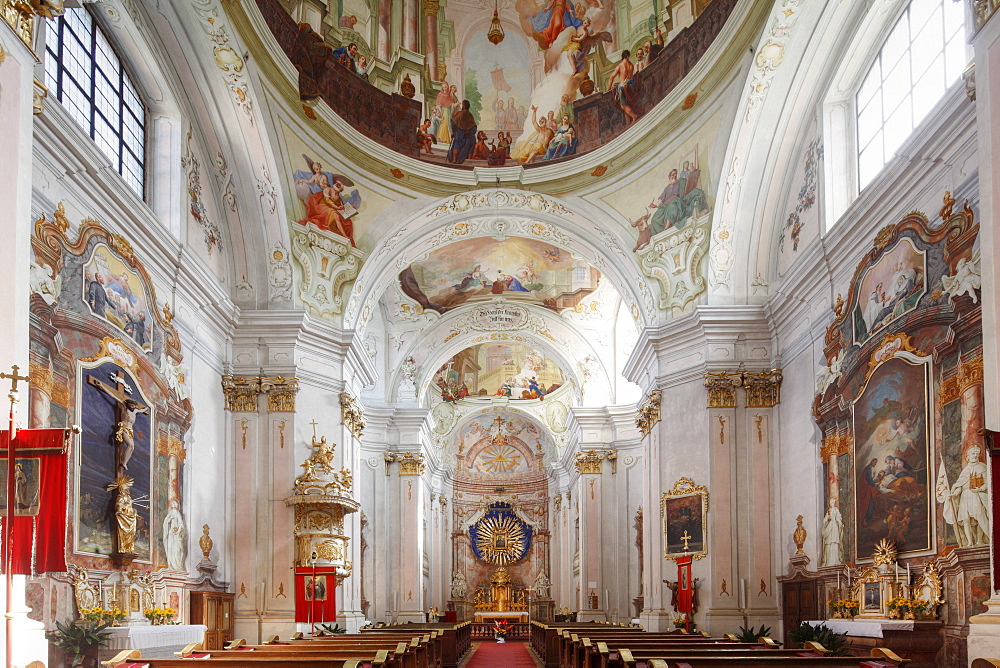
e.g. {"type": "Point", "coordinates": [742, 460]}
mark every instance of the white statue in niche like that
{"type": "Point", "coordinates": [967, 508]}
{"type": "Point", "coordinates": [542, 585]}
{"type": "Point", "coordinates": [173, 537]}
{"type": "Point", "coordinates": [833, 532]}
{"type": "Point", "coordinates": [458, 584]}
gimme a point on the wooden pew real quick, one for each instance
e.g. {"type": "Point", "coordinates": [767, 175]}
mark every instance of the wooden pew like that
{"type": "Point", "coordinates": [411, 653]}
{"type": "Point", "coordinates": [880, 656]}
{"type": "Point", "coordinates": [133, 659]}
{"type": "Point", "coordinates": [456, 639]}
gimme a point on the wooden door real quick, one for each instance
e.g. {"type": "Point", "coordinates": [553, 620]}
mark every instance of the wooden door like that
{"type": "Point", "coordinates": [799, 603]}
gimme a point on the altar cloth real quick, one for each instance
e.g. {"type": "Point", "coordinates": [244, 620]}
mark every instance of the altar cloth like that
{"type": "Point", "coordinates": [147, 637]}
{"type": "Point", "coordinates": [866, 628]}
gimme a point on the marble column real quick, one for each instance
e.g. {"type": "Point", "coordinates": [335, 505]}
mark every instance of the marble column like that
{"type": "Point", "coordinates": [431, 8]}
{"type": "Point", "coordinates": [411, 25]}
{"type": "Point", "coordinates": [383, 46]}
{"type": "Point", "coordinates": [984, 629]}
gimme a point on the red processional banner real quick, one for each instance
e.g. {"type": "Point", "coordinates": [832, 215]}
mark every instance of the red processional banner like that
{"type": "Point", "coordinates": [685, 585]}
{"type": "Point", "coordinates": [38, 542]}
{"type": "Point", "coordinates": [315, 595]}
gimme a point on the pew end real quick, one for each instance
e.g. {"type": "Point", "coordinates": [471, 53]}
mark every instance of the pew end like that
{"type": "Point", "coordinates": [188, 649]}
{"type": "Point", "coordinates": [985, 663]}
{"type": "Point", "coordinates": [626, 657]}
{"type": "Point", "coordinates": [767, 642]}
{"type": "Point", "coordinates": [272, 640]}
{"type": "Point", "coordinates": [731, 637]}
{"type": "Point", "coordinates": [122, 657]}
{"type": "Point", "coordinates": [888, 655]}
{"type": "Point", "coordinates": [297, 635]}
{"type": "Point", "coordinates": [233, 644]}
{"type": "Point", "coordinates": [657, 663]}
{"type": "Point", "coordinates": [816, 647]}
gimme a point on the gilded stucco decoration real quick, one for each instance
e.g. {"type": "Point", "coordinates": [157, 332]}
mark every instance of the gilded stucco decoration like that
{"type": "Point", "coordinates": [351, 414]}
{"type": "Point", "coordinates": [649, 413]}
{"type": "Point", "coordinates": [589, 461]}
{"type": "Point", "coordinates": [241, 393]}
{"type": "Point", "coordinates": [763, 388]}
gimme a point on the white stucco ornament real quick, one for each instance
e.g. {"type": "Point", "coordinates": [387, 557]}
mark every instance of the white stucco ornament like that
{"type": "Point", "coordinates": [327, 262]}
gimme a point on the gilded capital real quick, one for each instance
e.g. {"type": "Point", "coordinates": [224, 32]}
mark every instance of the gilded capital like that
{"type": "Point", "coordinates": [241, 393]}
{"type": "Point", "coordinates": [589, 461]}
{"type": "Point", "coordinates": [432, 7]}
{"type": "Point", "coordinates": [722, 388]}
{"type": "Point", "coordinates": [970, 373]}
{"type": "Point", "coordinates": [280, 393]}
{"type": "Point", "coordinates": [411, 463]}
{"type": "Point", "coordinates": [649, 413]}
{"type": "Point", "coordinates": [763, 389]}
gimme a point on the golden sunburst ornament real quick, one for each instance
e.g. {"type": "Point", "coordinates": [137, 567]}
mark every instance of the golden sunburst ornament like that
{"type": "Point", "coordinates": [885, 552]}
{"type": "Point", "coordinates": [500, 540]}
{"type": "Point", "coordinates": [499, 459]}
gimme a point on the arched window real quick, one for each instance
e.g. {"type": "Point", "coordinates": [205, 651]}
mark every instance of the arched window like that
{"type": "Point", "coordinates": [85, 74]}
{"type": "Point", "coordinates": [923, 55]}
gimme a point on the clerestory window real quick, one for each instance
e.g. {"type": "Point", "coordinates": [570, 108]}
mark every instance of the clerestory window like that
{"type": "Point", "coordinates": [921, 58]}
{"type": "Point", "coordinates": [85, 74]}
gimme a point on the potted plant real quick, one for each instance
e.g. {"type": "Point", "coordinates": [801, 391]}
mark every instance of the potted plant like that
{"type": "Point", "coordinates": [75, 640]}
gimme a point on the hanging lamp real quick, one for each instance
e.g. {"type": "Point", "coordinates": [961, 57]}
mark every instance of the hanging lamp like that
{"type": "Point", "coordinates": [496, 34]}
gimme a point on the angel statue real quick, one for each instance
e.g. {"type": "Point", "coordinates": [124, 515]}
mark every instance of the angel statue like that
{"type": "Point", "coordinates": [327, 205]}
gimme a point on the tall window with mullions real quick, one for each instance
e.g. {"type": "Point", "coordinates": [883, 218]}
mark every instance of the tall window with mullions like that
{"type": "Point", "coordinates": [87, 77]}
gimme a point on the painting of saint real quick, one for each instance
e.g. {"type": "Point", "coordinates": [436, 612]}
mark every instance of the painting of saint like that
{"type": "Point", "coordinates": [328, 205]}
{"type": "Point", "coordinates": [516, 268]}
{"type": "Point", "coordinates": [684, 516]}
{"type": "Point", "coordinates": [115, 293]}
{"type": "Point", "coordinates": [315, 588]}
{"type": "Point", "coordinates": [27, 475]}
{"type": "Point", "coordinates": [889, 288]}
{"type": "Point", "coordinates": [488, 370]}
{"type": "Point", "coordinates": [890, 427]}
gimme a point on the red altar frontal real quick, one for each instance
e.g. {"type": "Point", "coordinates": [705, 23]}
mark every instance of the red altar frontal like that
{"type": "Point", "coordinates": [315, 594]}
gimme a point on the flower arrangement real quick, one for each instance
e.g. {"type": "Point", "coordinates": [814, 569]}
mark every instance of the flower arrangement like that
{"type": "Point", "coordinates": [680, 622]}
{"type": "Point", "coordinates": [908, 608]}
{"type": "Point", "coordinates": [845, 607]}
{"type": "Point", "coordinates": [107, 616]}
{"type": "Point", "coordinates": [500, 629]}
{"type": "Point", "coordinates": [159, 615]}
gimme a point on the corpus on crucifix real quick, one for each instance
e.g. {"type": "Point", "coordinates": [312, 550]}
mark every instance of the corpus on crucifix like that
{"type": "Point", "coordinates": [126, 409]}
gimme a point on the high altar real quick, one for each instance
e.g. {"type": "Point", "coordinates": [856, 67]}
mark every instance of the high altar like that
{"type": "Point", "coordinates": [502, 600]}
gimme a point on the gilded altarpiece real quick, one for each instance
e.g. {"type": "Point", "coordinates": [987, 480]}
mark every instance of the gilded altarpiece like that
{"type": "Point", "coordinates": [104, 354]}
{"type": "Point", "coordinates": [899, 407]}
{"type": "Point", "coordinates": [501, 492]}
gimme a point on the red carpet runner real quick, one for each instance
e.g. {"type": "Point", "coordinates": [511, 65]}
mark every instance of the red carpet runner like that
{"type": "Point", "coordinates": [501, 655]}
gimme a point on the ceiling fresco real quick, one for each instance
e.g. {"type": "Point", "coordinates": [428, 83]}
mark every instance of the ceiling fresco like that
{"type": "Point", "coordinates": [498, 370]}
{"type": "Point", "coordinates": [481, 269]}
{"type": "Point", "coordinates": [500, 442]}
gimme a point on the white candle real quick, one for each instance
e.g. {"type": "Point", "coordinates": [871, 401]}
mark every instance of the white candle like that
{"type": "Point", "coordinates": [743, 593]}
{"type": "Point", "coordinates": [908, 581]}
{"type": "Point", "coordinates": [262, 602]}
{"type": "Point", "coordinates": [395, 601]}
{"type": "Point", "coordinates": [838, 582]}
{"type": "Point", "coordinates": [607, 605]}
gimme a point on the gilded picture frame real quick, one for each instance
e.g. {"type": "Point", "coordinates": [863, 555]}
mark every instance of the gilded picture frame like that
{"type": "Point", "coordinates": [684, 512]}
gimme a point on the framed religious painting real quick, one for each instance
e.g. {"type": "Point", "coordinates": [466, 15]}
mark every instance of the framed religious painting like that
{"type": "Point", "coordinates": [684, 511]}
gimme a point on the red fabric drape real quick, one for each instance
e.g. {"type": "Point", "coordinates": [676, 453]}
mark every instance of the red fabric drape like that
{"type": "Point", "coordinates": [40, 537]}
{"type": "Point", "coordinates": [685, 586]}
{"type": "Point", "coordinates": [324, 609]}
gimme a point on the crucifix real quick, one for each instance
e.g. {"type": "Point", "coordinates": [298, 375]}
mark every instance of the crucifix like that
{"type": "Point", "coordinates": [126, 410]}
{"type": "Point", "coordinates": [686, 538]}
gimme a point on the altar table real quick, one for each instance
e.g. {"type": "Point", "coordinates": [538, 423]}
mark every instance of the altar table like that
{"type": "Point", "coordinates": [147, 637]}
{"type": "Point", "coordinates": [864, 628]}
{"type": "Point", "coordinates": [482, 616]}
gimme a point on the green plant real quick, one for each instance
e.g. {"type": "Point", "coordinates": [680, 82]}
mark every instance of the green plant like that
{"type": "Point", "coordinates": [751, 634]}
{"type": "Point", "coordinates": [825, 636]}
{"type": "Point", "coordinates": [332, 628]}
{"type": "Point", "coordinates": [76, 639]}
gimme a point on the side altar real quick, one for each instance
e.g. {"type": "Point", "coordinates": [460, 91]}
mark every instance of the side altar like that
{"type": "Point", "coordinates": [880, 604]}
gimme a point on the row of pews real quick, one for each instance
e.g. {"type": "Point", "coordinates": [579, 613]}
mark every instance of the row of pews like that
{"type": "Point", "coordinates": [401, 646]}
{"type": "Point", "coordinates": [597, 645]}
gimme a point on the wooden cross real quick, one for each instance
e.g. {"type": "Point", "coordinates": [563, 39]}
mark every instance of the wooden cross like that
{"type": "Point", "coordinates": [117, 392]}
{"type": "Point", "coordinates": [686, 538]}
{"type": "Point", "coordinates": [14, 378]}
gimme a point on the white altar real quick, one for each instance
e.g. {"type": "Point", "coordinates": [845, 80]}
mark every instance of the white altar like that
{"type": "Point", "coordinates": [866, 628]}
{"type": "Point", "coordinates": [512, 616]}
{"type": "Point", "coordinates": [149, 636]}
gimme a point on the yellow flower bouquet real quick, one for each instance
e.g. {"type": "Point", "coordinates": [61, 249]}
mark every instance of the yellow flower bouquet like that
{"type": "Point", "coordinates": [159, 615]}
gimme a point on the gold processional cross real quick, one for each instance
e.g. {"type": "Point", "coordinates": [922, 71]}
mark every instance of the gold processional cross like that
{"type": "Point", "coordinates": [686, 538]}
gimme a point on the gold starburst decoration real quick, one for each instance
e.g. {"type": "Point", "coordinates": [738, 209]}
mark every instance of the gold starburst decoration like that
{"type": "Point", "coordinates": [885, 552]}
{"type": "Point", "coordinates": [500, 540]}
{"type": "Point", "coordinates": [500, 459]}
